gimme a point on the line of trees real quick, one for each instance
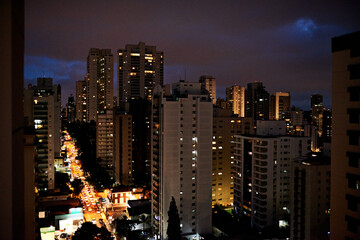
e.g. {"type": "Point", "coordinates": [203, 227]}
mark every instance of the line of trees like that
{"type": "Point", "coordinates": [84, 135]}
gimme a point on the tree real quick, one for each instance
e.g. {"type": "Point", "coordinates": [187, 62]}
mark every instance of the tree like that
{"type": "Point", "coordinates": [77, 185]}
{"type": "Point", "coordinates": [91, 231]}
{"type": "Point", "coordinates": [123, 228]}
{"type": "Point", "coordinates": [61, 181]}
{"type": "Point", "coordinates": [173, 229]}
{"type": "Point", "coordinates": [84, 135]}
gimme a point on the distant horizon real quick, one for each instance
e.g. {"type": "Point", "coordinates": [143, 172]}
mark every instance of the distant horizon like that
{"type": "Point", "coordinates": [302, 103]}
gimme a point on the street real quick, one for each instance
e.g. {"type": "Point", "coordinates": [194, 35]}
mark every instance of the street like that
{"type": "Point", "coordinates": [92, 210]}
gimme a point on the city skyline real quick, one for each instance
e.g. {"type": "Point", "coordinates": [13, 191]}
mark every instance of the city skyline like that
{"type": "Point", "coordinates": [163, 161]}
{"type": "Point", "coordinates": [280, 45]}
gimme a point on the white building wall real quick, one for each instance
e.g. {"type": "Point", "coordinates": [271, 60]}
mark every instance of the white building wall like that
{"type": "Point", "coordinates": [271, 165]}
{"type": "Point", "coordinates": [186, 162]}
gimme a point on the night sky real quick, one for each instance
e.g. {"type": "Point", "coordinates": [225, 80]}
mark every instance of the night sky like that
{"type": "Point", "coordinates": [284, 44]}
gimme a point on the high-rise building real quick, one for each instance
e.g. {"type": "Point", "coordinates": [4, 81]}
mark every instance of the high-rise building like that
{"type": "Point", "coordinates": [208, 82]}
{"type": "Point", "coordinates": [105, 140]}
{"type": "Point", "coordinates": [225, 126]}
{"type": "Point", "coordinates": [310, 198]}
{"type": "Point", "coordinates": [280, 103]}
{"type": "Point", "coordinates": [99, 82]}
{"type": "Point", "coordinates": [141, 67]}
{"type": "Point", "coordinates": [42, 110]}
{"type": "Point", "coordinates": [123, 148]}
{"type": "Point", "coordinates": [297, 122]}
{"type": "Point", "coordinates": [345, 142]}
{"type": "Point", "coordinates": [257, 101]}
{"type": "Point", "coordinates": [317, 109]}
{"type": "Point", "coordinates": [222, 103]}
{"type": "Point", "coordinates": [262, 173]}
{"type": "Point", "coordinates": [235, 97]}
{"type": "Point", "coordinates": [15, 221]}
{"type": "Point", "coordinates": [81, 94]}
{"type": "Point", "coordinates": [70, 109]}
{"type": "Point", "coordinates": [140, 110]}
{"type": "Point", "coordinates": [316, 100]}
{"type": "Point", "coordinates": [181, 158]}
{"type": "Point", "coordinates": [29, 180]}
{"type": "Point", "coordinates": [327, 126]}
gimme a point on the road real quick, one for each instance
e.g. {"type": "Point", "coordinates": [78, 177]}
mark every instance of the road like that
{"type": "Point", "coordinates": [89, 197]}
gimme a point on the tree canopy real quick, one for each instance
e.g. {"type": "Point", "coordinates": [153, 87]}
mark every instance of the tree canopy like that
{"type": "Point", "coordinates": [91, 231]}
{"type": "Point", "coordinates": [84, 135]}
{"type": "Point", "coordinates": [78, 185]}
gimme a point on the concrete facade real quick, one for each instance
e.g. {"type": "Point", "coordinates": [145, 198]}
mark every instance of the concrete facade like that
{"type": "Point", "coordinates": [181, 157]}
{"type": "Point", "coordinates": [345, 147]}
{"type": "Point", "coordinates": [80, 100]}
{"type": "Point", "coordinates": [235, 96]}
{"type": "Point", "coordinates": [105, 140]}
{"type": "Point", "coordinates": [123, 148]}
{"type": "Point", "coordinates": [280, 102]}
{"type": "Point", "coordinates": [141, 68]}
{"type": "Point", "coordinates": [310, 198]}
{"type": "Point", "coordinates": [208, 82]}
{"type": "Point", "coordinates": [225, 126]}
{"type": "Point", "coordinates": [99, 82]}
{"type": "Point", "coordinates": [262, 176]}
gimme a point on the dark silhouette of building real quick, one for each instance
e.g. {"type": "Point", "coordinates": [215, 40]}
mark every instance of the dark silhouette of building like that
{"type": "Point", "coordinates": [14, 222]}
{"type": "Point", "coordinates": [141, 67]}
{"type": "Point", "coordinates": [99, 82]}
{"type": "Point", "coordinates": [70, 109]}
{"type": "Point", "coordinates": [257, 101]}
{"type": "Point", "coordinates": [140, 109]}
{"type": "Point", "coordinates": [345, 142]}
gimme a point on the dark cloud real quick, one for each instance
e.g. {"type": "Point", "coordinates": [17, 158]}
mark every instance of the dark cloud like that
{"type": "Point", "coordinates": [63, 72]}
{"type": "Point", "coordinates": [285, 44]}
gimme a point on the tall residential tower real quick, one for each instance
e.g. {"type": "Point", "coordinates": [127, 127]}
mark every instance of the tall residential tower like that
{"type": "Point", "coordinates": [208, 82]}
{"type": "Point", "coordinates": [99, 82]}
{"type": "Point", "coordinates": [257, 101]}
{"type": "Point", "coordinates": [42, 110]}
{"type": "Point", "coordinates": [80, 100]}
{"type": "Point", "coordinates": [141, 67]}
{"type": "Point", "coordinates": [235, 97]}
{"type": "Point", "coordinates": [181, 158]}
{"type": "Point", "coordinates": [280, 103]}
{"type": "Point", "coordinates": [345, 142]}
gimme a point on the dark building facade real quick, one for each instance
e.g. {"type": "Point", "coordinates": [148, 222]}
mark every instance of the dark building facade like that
{"type": "Point", "coordinates": [345, 142]}
{"type": "Point", "coordinates": [141, 67]}
{"type": "Point", "coordinates": [70, 109]}
{"type": "Point", "coordinates": [257, 101]}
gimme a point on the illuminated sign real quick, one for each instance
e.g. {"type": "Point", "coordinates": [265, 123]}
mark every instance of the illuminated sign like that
{"type": "Point", "coordinates": [47, 233]}
{"type": "Point", "coordinates": [75, 210]}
